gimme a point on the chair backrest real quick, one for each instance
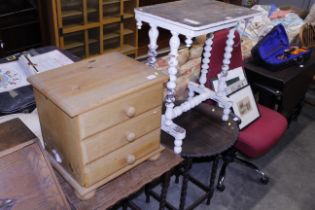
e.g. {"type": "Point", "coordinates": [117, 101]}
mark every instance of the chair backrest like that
{"type": "Point", "coordinates": [217, 53]}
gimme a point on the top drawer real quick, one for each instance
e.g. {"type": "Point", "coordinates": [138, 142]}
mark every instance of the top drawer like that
{"type": "Point", "coordinates": [120, 110]}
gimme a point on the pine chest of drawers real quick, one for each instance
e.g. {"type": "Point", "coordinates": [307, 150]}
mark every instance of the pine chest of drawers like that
{"type": "Point", "coordinates": [100, 117]}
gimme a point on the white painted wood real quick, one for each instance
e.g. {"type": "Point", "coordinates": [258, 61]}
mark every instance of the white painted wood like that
{"type": "Point", "coordinates": [188, 41]}
{"type": "Point", "coordinates": [225, 67]}
{"type": "Point", "coordinates": [197, 92]}
{"type": "Point", "coordinates": [172, 71]}
{"type": "Point", "coordinates": [206, 60]}
{"type": "Point", "coordinates": [153, 34]}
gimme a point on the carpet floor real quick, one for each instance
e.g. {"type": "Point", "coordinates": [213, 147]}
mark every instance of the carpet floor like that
{"type": "Point", "coordinates": [290, 166]}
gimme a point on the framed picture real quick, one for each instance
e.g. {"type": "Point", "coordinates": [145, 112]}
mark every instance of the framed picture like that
{"type": "Point", "coordinates": [244, 106]}
{"type": "Point", "coordinates": [235, 80]}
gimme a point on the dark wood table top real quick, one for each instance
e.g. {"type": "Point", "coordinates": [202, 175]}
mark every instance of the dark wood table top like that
{"type": "Point", "coordinates": [26, 178]}
{"type": "Point", "coordinates": [14, 135]}
{"type": "Point", "coordinates": [206, 133]}
{"type": "Point", "coordinates": [283, 76]}
{"type": "Point", "coordinates": [124, 185]}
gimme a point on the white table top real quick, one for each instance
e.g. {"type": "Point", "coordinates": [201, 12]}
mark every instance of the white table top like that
{"type": "Point", "coordinates": [197, 14]}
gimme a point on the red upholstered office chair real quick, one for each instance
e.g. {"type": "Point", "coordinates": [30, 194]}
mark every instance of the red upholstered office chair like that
{"type": "Point", "coordinates": [260, 136]}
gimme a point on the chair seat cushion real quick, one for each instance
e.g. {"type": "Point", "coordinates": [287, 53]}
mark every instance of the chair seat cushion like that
{"type": "Point", "coordinates": [261, 135]}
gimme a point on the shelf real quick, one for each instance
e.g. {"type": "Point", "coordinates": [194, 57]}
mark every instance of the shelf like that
{"type": "Point", "coordinates": [106, 2]}
{"type": "Point", "coordinates": [127, 48]}
{"type": "Point", "coordinates": [108, 25]}
{"type": "Point", "coordinates": [73, 13]}
{"type": "Point", "coordinates": [93, 41]}
{"type": "Point", "coordinates": [128, 31]}
{"type": "Point", "coordinates": [110, 20]}
{"type": "Point", "coordinates": [110, 2]}
{"type": "Point", "coordinates": [111, 35]}
{"type": "Point", "coordinates": [112, 50]}
{"type": "Point", "coordinates": [128, 15]}
{"type": "Point", "coordinates": [73, 44]}
{"type": "Point", "coordinates": [79, 27]}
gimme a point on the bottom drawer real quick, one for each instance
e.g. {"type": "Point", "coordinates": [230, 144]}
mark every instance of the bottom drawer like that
{"type": "Point", "coordinates": [125, 157]}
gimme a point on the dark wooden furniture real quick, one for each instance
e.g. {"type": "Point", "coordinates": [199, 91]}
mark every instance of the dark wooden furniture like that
{"type": "Point", "coordinates": [207, 137]}
{"type": "Point", "coordinates": [26, 178]}
{"type": "Point", "coordinates": [19, 26]}
{"type": "Point", "coordinates": [126, 184]}
{"type": "Point", "coordinates": [282, 90]}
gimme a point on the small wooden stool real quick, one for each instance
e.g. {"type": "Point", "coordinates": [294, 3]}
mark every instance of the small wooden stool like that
{"type": "Point", "coordinates": [207, 137]}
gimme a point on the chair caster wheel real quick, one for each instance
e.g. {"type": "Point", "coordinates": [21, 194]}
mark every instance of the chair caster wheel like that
{"type": "Point", "coordinates": [220, 187]}
{"type": "Point", "coordinates": [264, 180]}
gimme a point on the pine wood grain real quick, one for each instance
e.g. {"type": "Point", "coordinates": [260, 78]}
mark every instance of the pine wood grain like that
{"type": "Point", "coordinates": [60, 132]}
{"type": "Point", "coordinates": [115, 112]}
{"type": "Point", "coordinates": [124, 185]}
{"type": "Point", "coordinates": [90, 83]}
{"type": "Point", "coordinates": [107, 165]}
{"type": "Point", "coordinates": [118, 136]}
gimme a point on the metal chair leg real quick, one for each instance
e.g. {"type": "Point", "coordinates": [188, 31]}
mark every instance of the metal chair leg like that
{"type": "Point", "coordinates": [264, 178]}
{"type": "Point", "coordinates": [220, 185]}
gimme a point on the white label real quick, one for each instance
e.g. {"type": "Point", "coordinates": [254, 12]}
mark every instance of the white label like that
{"type": "Point", "coordinates": [151, 77]}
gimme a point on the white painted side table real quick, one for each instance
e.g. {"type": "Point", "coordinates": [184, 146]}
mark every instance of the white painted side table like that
{"type": "Point", "coordinates": [191, 18]}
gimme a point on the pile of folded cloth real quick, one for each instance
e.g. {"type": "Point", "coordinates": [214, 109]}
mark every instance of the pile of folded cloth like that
{"type": "Point", "coordinates": [259, 26]}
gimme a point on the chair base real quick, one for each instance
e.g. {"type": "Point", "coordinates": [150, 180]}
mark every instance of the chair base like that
{"type": "Point", "coordinates": [229, 157]}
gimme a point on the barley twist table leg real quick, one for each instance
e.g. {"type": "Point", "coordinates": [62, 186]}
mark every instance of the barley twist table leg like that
{"type": "Point", "coordinates": [225, 67]}
{"type": "Point", "coordinates": [206, 60]}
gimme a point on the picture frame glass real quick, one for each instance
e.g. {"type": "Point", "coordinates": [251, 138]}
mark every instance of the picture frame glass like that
{"type": "Point", "coordinates": [244, 106]}
{"type": "Point", "coordinates": [234, 80]}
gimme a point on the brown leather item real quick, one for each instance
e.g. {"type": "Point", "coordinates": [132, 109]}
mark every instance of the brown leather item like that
{"type": "Point", "coordinates": [26, 178]}
{"type": "Point", "coordinates": [307, 35]}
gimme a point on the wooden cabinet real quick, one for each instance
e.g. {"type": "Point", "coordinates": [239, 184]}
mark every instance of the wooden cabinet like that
{"type": "Point", "coordinates": [100, 117]}
{"type": "Point", "coordinates": [91, 27]}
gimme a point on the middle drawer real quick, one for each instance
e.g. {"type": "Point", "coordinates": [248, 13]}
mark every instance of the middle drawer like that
{"type": "Point", "coordinates": [113, 138]}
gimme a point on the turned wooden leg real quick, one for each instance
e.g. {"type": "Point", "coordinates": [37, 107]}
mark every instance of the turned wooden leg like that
{"type": "Point", "coordinates": [147, 193]}
{"type": "Point", "coordinates": [165, 185]}
{"type": "Point", "coordinates": [153, 34]}
{"type": "Point", "coordinates": [86, 196]}
{"type": "Point", "coordinates": [187, 166]}
{"type": "Point", "coordinates": [206, 59]}
{"type": "Point", "coordinates": [213, 175]}
{"type": "Point", "coordinates": [225, 67]}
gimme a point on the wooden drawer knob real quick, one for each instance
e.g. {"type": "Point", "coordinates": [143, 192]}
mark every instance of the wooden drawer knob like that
{"type": "Point", "coordinates": [130, 111]}
{"type": "Point", "coordinates": [131, 159]}
{"type": "Point", "coordinates": [130, 136]}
